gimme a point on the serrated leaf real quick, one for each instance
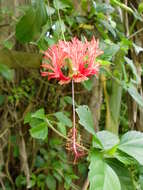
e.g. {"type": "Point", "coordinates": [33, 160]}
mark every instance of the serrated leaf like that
{"type": "Point", "coordinates": [63, 119]}
{"type": "Point", "coordinates": [132, 144]}
{"type": "Point", "coordinates": [40, 131]}
{"type": "Point", "coordinates": [101, 175]}
{"type": "Point", "coordinates": [86, 119]}
{"type": "Point", "coordinates": [107, 139]}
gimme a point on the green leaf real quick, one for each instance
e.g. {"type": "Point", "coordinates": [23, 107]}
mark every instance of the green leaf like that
{"type": "Point", "coordinates": [41, 13]}
{"type": "Point", "coordinates": [7, 73]}
{"type": "Point", "coordinates": [101, 175]}
{"type": "Point", "coordinates": [132, 66]}
{"type": "Point", "coordinates": [20, 181]}
{"type": "Point", "coordinates": [61, 128]}
{"type": "Point", "coordinates": [63, 119]}
{"type": "Point", "coordinates": [86, 119]}
{"type": "Point", "coordinates": [8, 44]}
{"type": "Point", "coordinates": [68, 100]}
{"type": "Point", "coordinates": [110, 49]}
{"type": "Point", "coordinates": [88, 84]}
{"type": "Point", "coordinates": [50, 10]}
{"type": "Point", "coordinates": [40, 114]}
{"type": "Point", "coordinates": [123, 174]}
{"type": "Point", "coordinates": [26, 28]}
{"type": "Point", "coordinates": [103, 7]}
{"type": "Point", "coordinates": [58, 4]}
{"type": "Point", "coordinates": [132, 144]}
{"type": "Point", "coordinates": [140, 7]}
{"type": "Point", "coordinates": [103, 62]}
{"type": "Point", "coordinates": [27, 118]}
{"type": "Point", "coordinates": [124, 158]}
{"type": "Point", "coordinates": [40, 131]}
{"type": "Point", "coordinates": [29, 26]}
{"type": "Point", "coordinates": [60, 26]}
{"type": "Point", "coordinates": [107, 139]}
{"type": "Point", "coordinates": [137, 48]}
{"type": "Point", "coordinates": [51, 182]}
{"type": "Point", "coordinates": [109, 27]}
{"type": "Point", "coordinates": [135, 95]}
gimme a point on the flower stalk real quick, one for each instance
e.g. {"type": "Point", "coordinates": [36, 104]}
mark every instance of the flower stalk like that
{"type": "Point", "coordinates": [74, 125]}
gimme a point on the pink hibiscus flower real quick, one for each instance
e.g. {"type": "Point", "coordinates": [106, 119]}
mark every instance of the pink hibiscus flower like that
{"type": "Point", "coordinates": [71, 60]}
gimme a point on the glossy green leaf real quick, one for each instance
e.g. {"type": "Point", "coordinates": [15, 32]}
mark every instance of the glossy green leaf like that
{"type": "Point", "coordinates": [132, 144]}
{"type": "Point", "coordinates": [107, 139]}
{"type": "Point", "coordinates": [101, 175]}
{"type": "Point", "coordinates": [40, 131]}
{"type": "Point", "coordinates": [123, 174]}
{"type": "Point", "coordinates": [86, 119]}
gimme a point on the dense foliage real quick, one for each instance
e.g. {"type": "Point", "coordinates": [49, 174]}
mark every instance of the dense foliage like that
{"type": "Point", "coordinates": [36, 114]}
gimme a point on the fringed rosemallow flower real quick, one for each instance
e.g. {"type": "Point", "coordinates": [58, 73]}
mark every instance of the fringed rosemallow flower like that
{"type": "Point", "coordinates": [71, 60]}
